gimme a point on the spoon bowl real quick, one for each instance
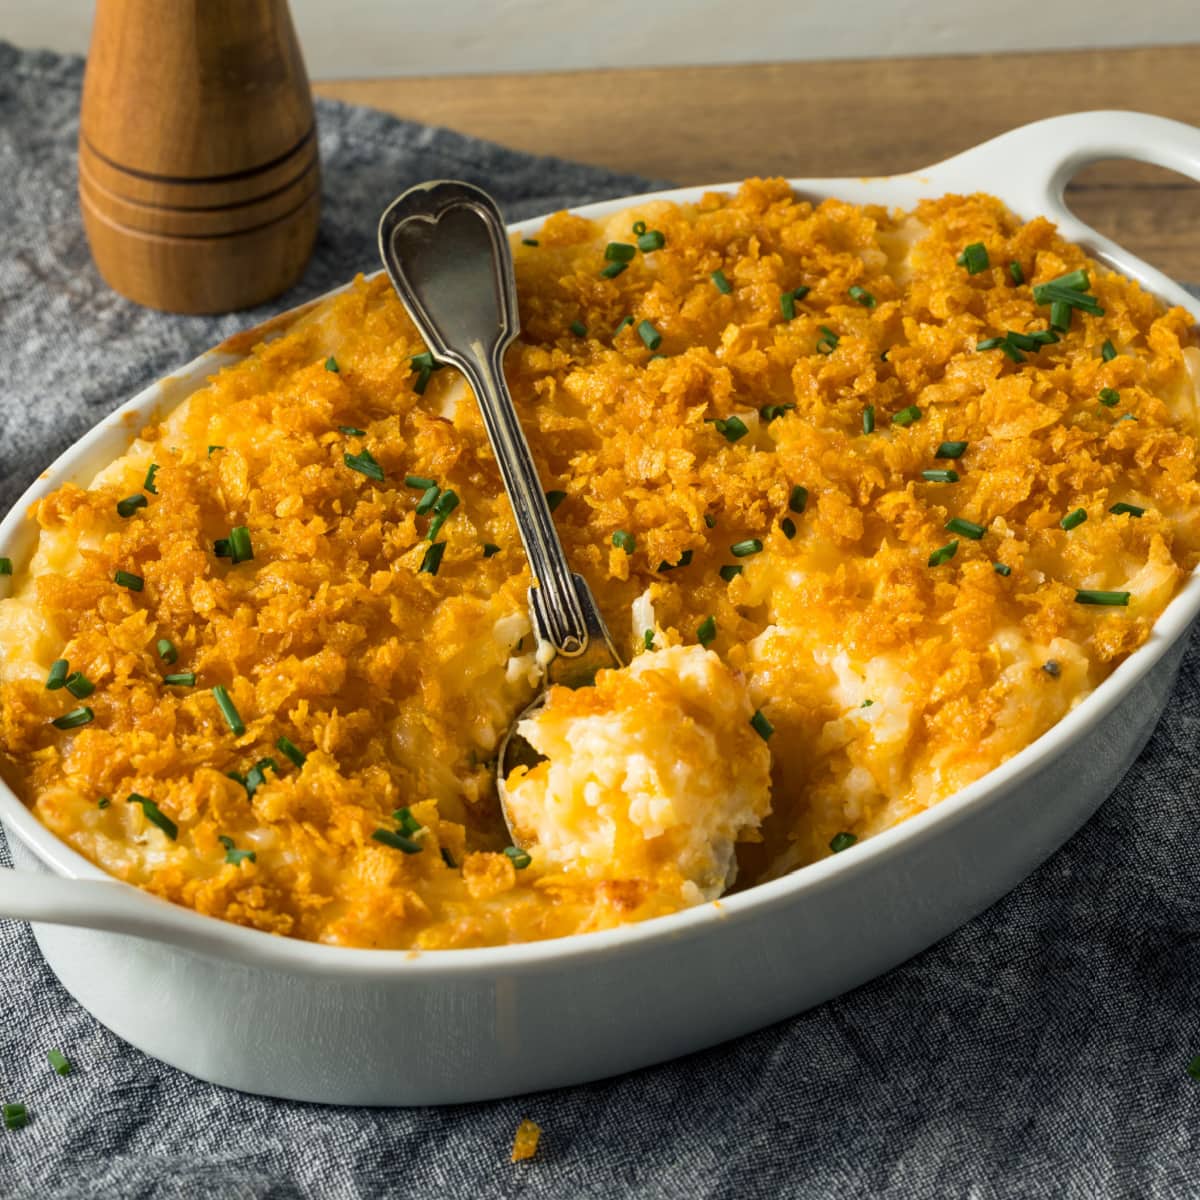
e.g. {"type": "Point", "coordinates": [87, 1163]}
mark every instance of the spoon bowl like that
{"type": "Point", "coordinates": [447, 254]}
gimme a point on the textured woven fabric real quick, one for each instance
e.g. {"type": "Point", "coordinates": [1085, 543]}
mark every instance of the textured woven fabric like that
{"type": "Point", "coordinates": [1040, 1051]}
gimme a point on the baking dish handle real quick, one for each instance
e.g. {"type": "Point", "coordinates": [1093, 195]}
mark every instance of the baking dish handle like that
{"type": "Point", "coordinates": [1032, 165]}
{"type": "Point", "coordinates": [107, 905]}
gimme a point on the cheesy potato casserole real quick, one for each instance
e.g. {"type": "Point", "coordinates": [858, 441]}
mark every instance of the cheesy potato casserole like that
{"type": "Point", "coordinates": [869, 499]}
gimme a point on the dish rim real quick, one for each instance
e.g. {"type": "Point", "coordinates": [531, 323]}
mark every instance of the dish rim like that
{"type": "Point", "coordinates": [298, 955]}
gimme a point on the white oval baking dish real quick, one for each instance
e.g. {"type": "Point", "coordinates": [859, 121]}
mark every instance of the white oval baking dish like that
{"type": "Point", "coordinates": [311, 1022]}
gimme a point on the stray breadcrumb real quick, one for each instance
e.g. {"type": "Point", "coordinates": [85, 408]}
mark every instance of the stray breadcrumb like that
{"type": "Point", "coordinates": [525, 1143]}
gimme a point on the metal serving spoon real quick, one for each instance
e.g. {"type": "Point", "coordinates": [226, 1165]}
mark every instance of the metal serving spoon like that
{"type": "Point", "coordinates": [446, 251]}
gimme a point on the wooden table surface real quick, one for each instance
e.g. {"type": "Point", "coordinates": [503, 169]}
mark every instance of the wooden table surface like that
{"type": "Point", "coordinates": [872, 117]}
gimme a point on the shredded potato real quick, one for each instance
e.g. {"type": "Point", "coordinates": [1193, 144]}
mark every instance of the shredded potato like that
{"type": "Point", "coordinates": [888, 683]}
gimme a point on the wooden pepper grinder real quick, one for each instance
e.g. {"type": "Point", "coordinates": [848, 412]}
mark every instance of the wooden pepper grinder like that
{"type": "Point", "coordinates": [199, 179]}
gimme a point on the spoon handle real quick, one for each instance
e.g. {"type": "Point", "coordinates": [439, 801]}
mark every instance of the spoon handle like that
{"type": "Point", "coordinates": [446, 251]}
{"type": "Point", "coordinates": [553, 599]}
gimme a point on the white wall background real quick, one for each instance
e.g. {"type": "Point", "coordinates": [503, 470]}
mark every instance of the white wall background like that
{"type": "Point", "coordinates": [343, 38]}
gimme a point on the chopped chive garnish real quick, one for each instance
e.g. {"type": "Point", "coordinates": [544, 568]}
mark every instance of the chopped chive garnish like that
{"type": "Point", "coordinates": [621, 252]}
{"type": "Point", "coordinates": [446, 503]}
{"type": "Point", "coordinates": [862, 296]}
{"type": "Point", "coordinates": [761, 725]}
{"type": "Point", "coordinates": [490, 548]}
{"type": "Point", "coordinates": [79, 685]}
{"type": "Point", "coordinates": [1125, 417]}
{"type": "Point", "coordinates": [951, 450]}
{"type": "Point", "coordinates": [842, 841]}
{"type": "Point", "coordinates": [59, 670]}
{"type": "Point", "coordinates": [16, 1116]}
{"type": "Point", "coordinates": [651, 241]}
{"type": "Point", "coordinates": [623, 323]}
{"type": "Point", "coordinates": [1072, 519]}
{"type": "Point", "coordinates": [772, 412]}
{"type": "Point", "coordinates": [789, 528]}
{"type": "Point", "coordinates": [233, 854]}
{"type": "Point", "coordinates": [906, 416]}
{"type": "Point", "coordinates": [419, 482]}
{"type": "Point", "coordinates": [5, 566]}
{"type": "Point", "coordinates": [867, 704]}
{"type": "Point", "coordinates": [448, 859]}
{"type": "Point", "coordinates": [397, 841]}
{"type": "Point", "coordinates": [290, 751]}
{"type": "Point", "coordinates": [130, 505]}
{"type": "Point", "coordinates": [1023, 341]}
{"type": "Point", "coordinates": [1052, 668]}
{"type": "Point", "coordinates": [798, 500]}
{"type": "Point", "coordinates": [974, 257]}
{"type": "Point", "coordinates": [1109, 397]}
{"type": "Point", "coordinates": [1073, 281]}
{"type": "Point", "coordinates": [684, 560]}
{"type": "Point", "coordinates": [181, 679]}
{"type": "Point", "coordinates": [943, 554]}
{"type": "Point", "coordinates": [707, 631]}
{"type": "Point", "coordinates": [579, 329]}
{"type": "Point", "coordinates": [424, 362]}
{"type": "Point", "coordinates": [648, 639]}
{"type": "Point", "coordinates": [352, 431]}
{"type": "Point", "coordinates": [745, 548]}
{"type": "Point", "coordinates": [103, 802]}
{"type": "Point", "coordinates": [992, 343]}
{"type": "Point", "coordinates": [650, 336]}
{"type": "Point", "coordinates": [624, 541]}
{"type": "Point", "coordinates": [1123, 509]}
{"type": "Point", "coordinates": [1108, 351]}
{"type": "Point", "coordinates": [428, 499]}
{"type": "Point", "coordinates": [225, 704]}
{"type": "Point", "coordinates": [1055, 295]}
{"type": "Point", "coordinates": [967, 528]}
{"type": "Point", "coordinates": [520, 860]}
{"type": "Point", "coordinates": [1042, 337]}
{"type": "Point", "coordinates": [940, 475]}
{"type": "Point", "coordinates": [407, 822]}
{"type": "Point", "coordinates": [1002, 568]}
{"type": "Point", "coordinates": [239, 544]}
{"type": "Point", "coordinates": [1060, 316]}
{"type": "Point", "coordinates": [364, 463]}
{"type": "Point", "coordinates": [1109, 599]}
{"type": "Point", "coordinates": [166, 650]}
{"type": "Point", "coordinates": [731, 428]}
{"type": "Point", "coordinates": [731, 571]}
{"type": "Point", "coordinates": [721, 283]}
{"type": "Point", "coordinates": [212, 448]}
{"type": "Point", "coordinates": [222, 548]}
{"type": "Point", "coordinates": [554, 499]}
{"type": "Point", "coordinates": [639, 227]}
{"type": "Point", "coordinates": [331, 364]}
{"type": "Point", "coordinates": [58, 1060]}
{"type": "Point", "coordinates": [124, 579]}
{"type": "Point", "coordinates": [432, 559]}
{"type": "Point", "coordinates": [613, 270]}
{"type": "Point", "coordinates": [529, 241]}
{"type": "Point", "coordinates": [787, 305]}
{"type": "Point", "coordinates": [154, 814]}
{"type": "Point", "coordinates": [257, 775]}
{"type": "Point", "coordinates": [828, 337]}
{"type": "Point", "coordinates": [1018, 275]}
{"type": "Point", "coordinates": [868, 419]}
{"type": "Point", "coordinates": [422, 381]}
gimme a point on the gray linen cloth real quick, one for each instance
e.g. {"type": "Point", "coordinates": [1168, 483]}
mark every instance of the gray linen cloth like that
{"type": "Point", "coordinates": [1039, 1051]}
